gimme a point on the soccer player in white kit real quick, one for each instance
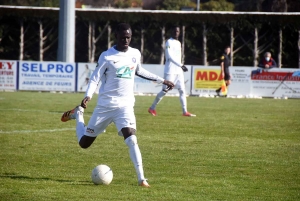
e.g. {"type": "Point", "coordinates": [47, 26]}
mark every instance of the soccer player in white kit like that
{"type": "Point", "coordinates": [116, 69]}
{"type": "Point", "coordinates": [174, 72]}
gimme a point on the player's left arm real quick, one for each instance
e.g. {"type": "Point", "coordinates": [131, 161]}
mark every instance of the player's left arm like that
{"type": "Point", "coordinates": [143, 73]}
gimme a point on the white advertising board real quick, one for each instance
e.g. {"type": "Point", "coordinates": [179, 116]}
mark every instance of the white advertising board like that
{"type": "Point", "coordinates": [85, 70]}
{"type": "Point", "coordinates": [143, 86]}
{"type": "Point", "coordinates": [8, 75]}
{"type": "Point", "coordinates": [275, 82]}
{"type": "Point", "coordinates": [248, 81]}
{"type": "Point", "coordinates": [47, 76]}
{"type": "Point", "coordinates": [240, 81]}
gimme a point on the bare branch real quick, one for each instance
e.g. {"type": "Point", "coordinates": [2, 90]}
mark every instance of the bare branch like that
{"type": "Point", "coordinates": [102, 32]}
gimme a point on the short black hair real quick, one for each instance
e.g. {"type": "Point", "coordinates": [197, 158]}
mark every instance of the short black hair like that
{"type": "Point", "coordinates": [122, 27]}
{"type": "Point", "coordinates": [175, 26]}
{"type": "Point", "coordinates": [227, 46]}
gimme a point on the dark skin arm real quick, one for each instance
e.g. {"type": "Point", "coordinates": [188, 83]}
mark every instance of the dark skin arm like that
{"type": "Point", "coordinates": [169, 84]}
{"type": "Point", "coordinates": [85, 101]}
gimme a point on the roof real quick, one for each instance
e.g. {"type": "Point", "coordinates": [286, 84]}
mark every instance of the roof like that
{"type": "Point", "coordinates": [155, 15]}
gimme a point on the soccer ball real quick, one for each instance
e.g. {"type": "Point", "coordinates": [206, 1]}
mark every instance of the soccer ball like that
{"type": "Point", "coordinates": [102, 174]}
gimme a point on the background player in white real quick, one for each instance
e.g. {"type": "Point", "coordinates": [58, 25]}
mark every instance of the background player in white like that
{"type": "Point", "coordinates": [173, 72]}
{"type": "Point", "coordinates": [116, 68]}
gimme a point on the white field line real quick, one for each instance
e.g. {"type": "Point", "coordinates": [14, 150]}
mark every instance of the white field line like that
{"type": "Point", "coordinates": [23, 110]}
{"type": "Point", "coordinates": [42, 111]}
{"type": "Point", "coordinates": [37, 131]}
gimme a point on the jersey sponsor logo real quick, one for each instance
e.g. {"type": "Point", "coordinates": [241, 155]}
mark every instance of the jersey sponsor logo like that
{"type": "Point", "coordinates": [116, 62]}
{"type": "Point", "coordinates": [90, 130]}
{"type": "Point", "coordinates": [133, 60]}
{"type": "Point", "coordinates": [125, 72]}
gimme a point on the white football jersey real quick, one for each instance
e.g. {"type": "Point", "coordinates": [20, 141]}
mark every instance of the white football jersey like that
{"type": "Point", "coordinates": [173, 57]}
{"type": "Point", "coordinates": [116, 70]}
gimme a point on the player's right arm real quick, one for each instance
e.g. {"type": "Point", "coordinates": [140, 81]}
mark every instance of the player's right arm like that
{"type": "Point", "coordinates": [170, 55]}
{"type": "Point", "coordinates": [95, 79]}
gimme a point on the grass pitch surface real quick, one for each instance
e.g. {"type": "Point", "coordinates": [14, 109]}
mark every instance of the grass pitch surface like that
{"type": "Point", "coordinates": [235, 149]}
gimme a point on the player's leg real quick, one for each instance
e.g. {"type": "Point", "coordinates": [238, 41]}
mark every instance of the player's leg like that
{"type": "Point", "coordinates": [218, 91]}
{"type": "Point", "coordinates": [227, 80]}
{"type": "Point", "coordinates": [126, 125]}
{"type": "Point", "coordinates": [180, 85]}
{"type": "Point", "coordinates": [77, 113]}
{"type": "Point", "coordinates": [85, 135]}
{"type": "Point", "coordinates": [135, 154]}
{"type": "Point", "coordinates": [83, 140]}
{"type": "Point", "coordinates": [160, 95]}
{"type": "Point", "coordinates": [98, 122]}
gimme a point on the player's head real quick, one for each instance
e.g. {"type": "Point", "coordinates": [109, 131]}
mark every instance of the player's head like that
{"type": "Point", "coordinates": [175, 32]}
{"type": "Point", "coordinates": [123, 35]}
{"type": "Point", "coordinates": [227, 49]}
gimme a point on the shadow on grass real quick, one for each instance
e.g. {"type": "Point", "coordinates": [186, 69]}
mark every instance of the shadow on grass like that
{"type": "Point", "coordinates": [21, 177]}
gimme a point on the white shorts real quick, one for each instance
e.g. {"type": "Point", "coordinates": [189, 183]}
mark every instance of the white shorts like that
{"type": "Point", "coordinates": [177, 79]}
{"type": "Point", "coordinates": [102, 117]}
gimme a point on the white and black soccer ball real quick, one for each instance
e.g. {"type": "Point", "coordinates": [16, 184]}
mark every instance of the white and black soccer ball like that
{"type": "Point", "coordinates": [102, 174]}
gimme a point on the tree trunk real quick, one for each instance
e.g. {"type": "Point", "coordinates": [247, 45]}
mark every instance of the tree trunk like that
{"type": "Point", "coordinates": [108, 36]}
{"type": "Point", "coordinates": [163, 41]}
{"type": "Point", "coordinates": [90, 41]}
{"type": "Point", "coordinates": [255, 49]}
{"type": "Point", "coordinates": [21, 54]}
{"type": "Point", "coordinates": [204, 33]}
{"type": "Point", "coordinates": [183, 45]}
{"type": "Point", "coordinates": [280, 48]}
{"type": "Point", "coordinates": [231, 45]}
{"type": "Point", "coordinates": [41, 43]}
{"type": "Point", "coordinates": [299, 48]}
{"type": "Point", "coordinates": [142, 43]}
{"type": "Point", "coordinates": [93, 42]}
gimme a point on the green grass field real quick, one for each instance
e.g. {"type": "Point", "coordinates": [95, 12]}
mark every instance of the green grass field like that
{"type": "Point", "coordinates": [235, 149]}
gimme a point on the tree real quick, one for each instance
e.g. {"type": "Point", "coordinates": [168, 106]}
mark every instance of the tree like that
{"type": "Point", "coordinates": [41, 3]}
{"type": "Point", "coordinates": [127, 3]}
{"type": "Point", "coordinates": [218, 5]}
{"type": "Point", "coordinates": [174, 4]}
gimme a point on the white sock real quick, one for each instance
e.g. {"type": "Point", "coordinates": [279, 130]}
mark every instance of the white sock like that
{"type": "Point", "coordinates": [80, 127]}
{"type": "Point", "coordinates": [182, 98]}
{"type": "Point", "coordinates": [157, 99]}
{"type": "Point", "coordinates": [136, 156]}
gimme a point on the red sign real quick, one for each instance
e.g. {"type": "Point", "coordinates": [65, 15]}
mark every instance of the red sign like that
{"type": "Point", "coordinates": [266, 75]}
